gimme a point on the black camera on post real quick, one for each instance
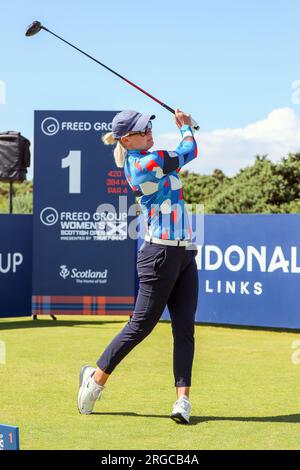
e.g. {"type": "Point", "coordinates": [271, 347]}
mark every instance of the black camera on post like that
{"type": "Point", "coordinates": [14, 159]}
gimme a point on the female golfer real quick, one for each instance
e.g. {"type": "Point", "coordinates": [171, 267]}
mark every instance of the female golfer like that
{"type": "Point", "coordinates": [166, 263]}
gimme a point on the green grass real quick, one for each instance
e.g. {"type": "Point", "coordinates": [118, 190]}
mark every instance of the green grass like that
{"type": "Point", "coordinates": [245, 392]}
{"type": "Point", "coordinates": [22, 197]}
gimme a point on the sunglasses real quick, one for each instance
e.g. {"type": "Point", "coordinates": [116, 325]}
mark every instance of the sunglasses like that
{"type": "Point", "coordinates": [141, 133]}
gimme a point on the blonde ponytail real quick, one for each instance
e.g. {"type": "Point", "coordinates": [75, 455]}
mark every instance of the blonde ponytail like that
{"type": "Point", "coordinates": [119, 151]}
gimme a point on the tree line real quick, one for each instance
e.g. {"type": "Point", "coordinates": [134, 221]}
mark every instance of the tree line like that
{"type": "Point", "coordinates": [262, 188]}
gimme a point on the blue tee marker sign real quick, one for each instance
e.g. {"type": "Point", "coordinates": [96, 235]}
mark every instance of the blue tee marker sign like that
{"type": "Point", "coordinates": [9, 437]}
{"type": "Point", "coordinates": [82, 251]}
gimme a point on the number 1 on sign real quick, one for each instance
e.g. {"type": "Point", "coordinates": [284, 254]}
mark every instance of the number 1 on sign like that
{"type": "Point", "coordinates": [73, 162]}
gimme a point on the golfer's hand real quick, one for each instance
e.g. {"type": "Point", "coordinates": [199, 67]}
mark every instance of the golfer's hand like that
{"type": "Point", "coordinates": [182, 119]}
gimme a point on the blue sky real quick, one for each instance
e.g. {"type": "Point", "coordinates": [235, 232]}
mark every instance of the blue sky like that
{"type": "Point", "coordinates": [228, 63]}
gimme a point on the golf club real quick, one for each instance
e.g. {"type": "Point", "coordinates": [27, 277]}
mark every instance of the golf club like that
{"type": "Point", "coordinates": [36, 27]}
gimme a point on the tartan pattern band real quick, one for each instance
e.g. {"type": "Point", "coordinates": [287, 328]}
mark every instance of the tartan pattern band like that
{"type": "Point", "coordinates": [82, 305]}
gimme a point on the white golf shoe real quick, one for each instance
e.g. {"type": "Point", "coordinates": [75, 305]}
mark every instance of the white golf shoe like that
{"type": "Point", "coordinates": [181, 410]}
{"type": "Point", "coordinates": [89, 391]}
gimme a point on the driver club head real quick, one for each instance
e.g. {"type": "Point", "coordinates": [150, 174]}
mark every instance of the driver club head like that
{"type": "Point", "coordinates": [34, 28]}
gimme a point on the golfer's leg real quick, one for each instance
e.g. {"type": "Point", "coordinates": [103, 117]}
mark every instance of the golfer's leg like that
{"type": "Point", "coordinates": [154, 290]}
{"type": "Point", "coordinates": [182, 306]}
{"type": "Point", "coordinates": [148, 310]}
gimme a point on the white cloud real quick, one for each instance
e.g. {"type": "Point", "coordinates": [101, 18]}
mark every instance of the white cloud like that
{"type": "Point", "coordinates": [2, 92]}
{"type": "Point", "coordinates": [233, 149]}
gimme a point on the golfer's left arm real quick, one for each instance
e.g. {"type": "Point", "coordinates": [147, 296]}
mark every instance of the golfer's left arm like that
{"type": "Point", "coordinates": [187, 149]}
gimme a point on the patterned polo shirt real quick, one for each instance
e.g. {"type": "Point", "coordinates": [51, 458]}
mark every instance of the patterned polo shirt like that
{"type": "Point", "coordinates": [153, 176]}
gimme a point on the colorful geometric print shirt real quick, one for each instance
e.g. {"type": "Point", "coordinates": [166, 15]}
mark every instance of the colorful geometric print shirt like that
{"type": "Point", "coordinates": [153, 176]}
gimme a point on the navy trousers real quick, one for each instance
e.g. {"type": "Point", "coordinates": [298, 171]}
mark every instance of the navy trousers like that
{"type": "Point", "coordinates": [167, 276]}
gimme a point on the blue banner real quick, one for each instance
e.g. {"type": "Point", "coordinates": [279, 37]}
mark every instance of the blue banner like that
{"type": "Point", "coordinates": [15, 265]}
{"type": "Point", "coordinates": [249, 271]}
{"type": "Point", "coordinates": [83, 256]}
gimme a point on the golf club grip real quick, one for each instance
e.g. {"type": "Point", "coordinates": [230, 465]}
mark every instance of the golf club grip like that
{"type": "Point", "coordinates": [195, 125]}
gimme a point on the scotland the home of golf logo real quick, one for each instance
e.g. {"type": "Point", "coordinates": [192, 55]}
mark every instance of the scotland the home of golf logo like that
{"type": "Point", "coordinates": [64, 272]}
{"type": "Point", "coordinates": [87, 275]}
{"type": "Point", "coordinates": [50, 126]}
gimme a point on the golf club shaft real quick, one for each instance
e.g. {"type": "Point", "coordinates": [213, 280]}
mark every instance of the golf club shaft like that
{"type": "Point", "coordinates": [194, 124]}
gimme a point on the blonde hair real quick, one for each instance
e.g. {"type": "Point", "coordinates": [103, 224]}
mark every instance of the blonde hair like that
{"type": "Point", "coordinates": [119, 151]}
